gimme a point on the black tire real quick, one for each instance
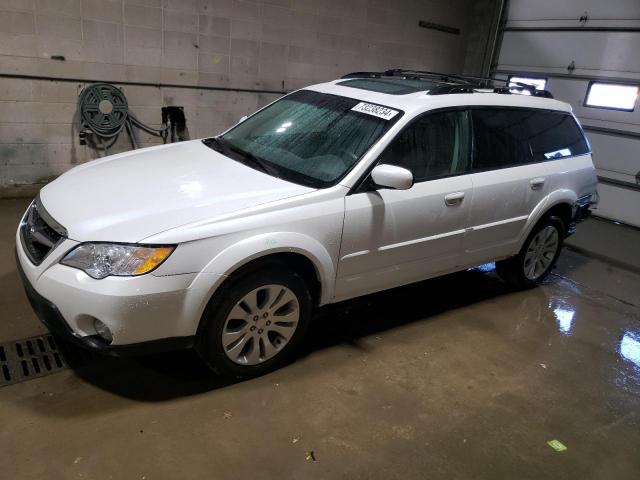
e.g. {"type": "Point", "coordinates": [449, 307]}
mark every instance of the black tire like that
{"type": "Point", "coordinates": [512, 270]}
{"type": "Point", "coordinates": [209, 341]}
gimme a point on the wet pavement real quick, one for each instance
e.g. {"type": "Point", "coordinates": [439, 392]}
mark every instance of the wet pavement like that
{"type": "Point", "coordinates": [457, 377]}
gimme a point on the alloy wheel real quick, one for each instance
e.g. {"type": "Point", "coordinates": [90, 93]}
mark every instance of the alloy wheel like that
{"type": "Point", "coordinates": [541, 252]}
{"type": "Point", "coordinates": [260, 324]}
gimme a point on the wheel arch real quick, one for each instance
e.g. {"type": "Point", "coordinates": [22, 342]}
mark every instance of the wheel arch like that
{"type": "Point", "coordinates": [299, 261]}
{"type": "Point", "coordinates": [296, 261]}
{"type": "Point", "coordinates": [298, 251]}
{"type": "Point", "coordinates": [235, 286]}
{"type": "Point", "coordinates": [562, 210]}
{"type": "Point", "coordinates": [559, 203]}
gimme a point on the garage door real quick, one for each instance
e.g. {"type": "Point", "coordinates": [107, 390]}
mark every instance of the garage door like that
{"type": "Point", "coordinates": [588, 51]}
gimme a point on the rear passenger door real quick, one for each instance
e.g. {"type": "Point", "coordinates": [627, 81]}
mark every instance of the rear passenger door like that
{"type": "Point", "coordinates": [556, 139]}
{"type": "Point", "coordinates": [507, 183]}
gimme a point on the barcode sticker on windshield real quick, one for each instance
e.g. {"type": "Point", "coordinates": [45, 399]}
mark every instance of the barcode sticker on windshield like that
{"type": "Point", "coordinates": [375, 110]}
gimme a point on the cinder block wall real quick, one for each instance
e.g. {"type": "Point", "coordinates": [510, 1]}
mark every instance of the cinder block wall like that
{"type": "Point", "coordinates": [163, 52]}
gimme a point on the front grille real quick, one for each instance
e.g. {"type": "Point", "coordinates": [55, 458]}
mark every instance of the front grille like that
{"type": "Point", "coordinates": [39, 233]}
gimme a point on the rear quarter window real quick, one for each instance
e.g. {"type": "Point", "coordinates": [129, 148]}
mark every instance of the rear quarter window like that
{"type": "Point", "coordinates": [555, 135]}
{"type": "Point", "coordinates": [509, 137]}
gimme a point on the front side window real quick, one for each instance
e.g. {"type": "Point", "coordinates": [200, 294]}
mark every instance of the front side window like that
{"type": "Point", "coordinates": [434, 146]}
{"type": "Point", "coordinates": [309, 137]}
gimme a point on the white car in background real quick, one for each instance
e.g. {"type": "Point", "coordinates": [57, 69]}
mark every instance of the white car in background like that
{"type": "Point", "coordinates": [337, 190]}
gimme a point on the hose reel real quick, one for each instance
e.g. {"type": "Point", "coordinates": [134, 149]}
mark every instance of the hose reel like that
{"type": "Point", "coordinates": [104, 114]}
{"type": "Point", "coordinates": [103, 109]}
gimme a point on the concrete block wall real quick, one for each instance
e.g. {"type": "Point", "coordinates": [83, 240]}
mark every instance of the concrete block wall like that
{"type": "Point", "coordinates": [176, 52]}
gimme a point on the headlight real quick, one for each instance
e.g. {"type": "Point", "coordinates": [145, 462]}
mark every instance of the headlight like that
{"type": "Point", "coordinates": [100, 260]}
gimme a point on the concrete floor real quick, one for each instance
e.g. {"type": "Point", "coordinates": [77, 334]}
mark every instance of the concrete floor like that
{"type": "Point", "coordinates": [457, 377]}
{"type": "Point", "coordinates": [613, 242]}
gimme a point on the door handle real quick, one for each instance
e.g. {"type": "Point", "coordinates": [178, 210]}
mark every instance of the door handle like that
{"type": "Point", "coordinates": [537, 183]}
{"type": "Point", "coordinates": [454, 199]}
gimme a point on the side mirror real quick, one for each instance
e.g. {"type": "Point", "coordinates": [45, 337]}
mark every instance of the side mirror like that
{"type": "Point", "coordinates": [392, 176]}
{"type": "Point", "coordinates": [243, 119]}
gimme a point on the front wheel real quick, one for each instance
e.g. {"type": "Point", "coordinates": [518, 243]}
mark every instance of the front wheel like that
{"type": "Point", "coordinates": [537, 256]}
{"type": "Point", "coordinates": [254, 324]}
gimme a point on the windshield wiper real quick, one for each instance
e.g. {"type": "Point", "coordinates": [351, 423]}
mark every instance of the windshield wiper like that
{"type": "Point", "coordinates": [215, 143]}
{"type": "Point", "coordinates": [251, 158]}
{"type": "Point", "coordinates": [221, 145]}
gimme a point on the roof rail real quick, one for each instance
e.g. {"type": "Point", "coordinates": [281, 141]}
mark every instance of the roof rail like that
{"type": "Point", "coordinates": [454, 83]}
{"type": "Point", "coordinates": [533, 91]}
{"type": "Point", "coordinates": [415, 74]}
{"type": "Point", "coordinates": [448, 89]}
{"type": "Point", "coordinates": [363, 75]}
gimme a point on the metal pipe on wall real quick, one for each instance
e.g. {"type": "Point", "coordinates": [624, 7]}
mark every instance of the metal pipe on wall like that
{"type": "Point", "coordinates": [495, 37]}
{"type": "Point", "coordinates": [140, 84]}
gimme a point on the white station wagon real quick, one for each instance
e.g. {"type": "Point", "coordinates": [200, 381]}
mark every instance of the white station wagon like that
{"type": "Point", "coordinates": [341, 189]}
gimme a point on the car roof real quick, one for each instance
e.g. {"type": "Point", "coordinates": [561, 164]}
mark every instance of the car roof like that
{"type": "Point", "coordinates": [413, 95]}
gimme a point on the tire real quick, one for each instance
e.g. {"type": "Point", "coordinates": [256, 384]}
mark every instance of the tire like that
{"type": "Point", "coordinates": [527, 271]}
{"type": "Point", "coordinates": [256, 323]}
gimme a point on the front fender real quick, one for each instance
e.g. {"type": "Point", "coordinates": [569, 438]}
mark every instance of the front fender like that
{"type": "Point", "coordinates": [228, 259]}
{"type": "Point", "coordinates": [235, 256]}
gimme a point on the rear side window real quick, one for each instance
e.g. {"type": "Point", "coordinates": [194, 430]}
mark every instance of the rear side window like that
{"type": "Point", "coordinates": [500, 138]}
{"type": "Point", "coordinates": [434, 146]}
{"type": "Point", "coordinates": [509, 137]}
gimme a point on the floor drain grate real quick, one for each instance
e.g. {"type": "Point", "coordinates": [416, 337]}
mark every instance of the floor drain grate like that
{"type": "Point", "coordinates": [35, 357]}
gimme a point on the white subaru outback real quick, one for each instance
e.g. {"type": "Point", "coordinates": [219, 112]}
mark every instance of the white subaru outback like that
{"type": "Point", "coordinates": [337, 190]}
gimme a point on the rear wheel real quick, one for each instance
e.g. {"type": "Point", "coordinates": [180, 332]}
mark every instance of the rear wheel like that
{"type": "Point", "coordinates": [537, 256]}
{"type": "Point", "coordinates": [255, 324]}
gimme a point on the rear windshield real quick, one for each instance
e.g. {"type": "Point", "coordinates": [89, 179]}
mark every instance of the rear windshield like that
{"type": "Point", "coordinates": [309, 137]}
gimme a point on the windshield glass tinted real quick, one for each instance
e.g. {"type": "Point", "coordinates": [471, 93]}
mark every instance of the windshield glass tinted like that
{"type": "Point", "coordinates": [309, 137]}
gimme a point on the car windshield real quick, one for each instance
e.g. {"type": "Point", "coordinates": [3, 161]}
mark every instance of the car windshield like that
{"type": "Point", "coordinates": [307, 137]}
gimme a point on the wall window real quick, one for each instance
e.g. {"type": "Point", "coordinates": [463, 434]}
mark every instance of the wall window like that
{"type": "Point", "coordinates": [612, 96]}
{"type": "Point", "coordinates": [436, 145]}
{"type": "Point", "coordinates": [539, 83]}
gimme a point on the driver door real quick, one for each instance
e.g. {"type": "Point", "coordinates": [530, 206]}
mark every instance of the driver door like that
{"type": "Point", "coordinates": [395, 237]}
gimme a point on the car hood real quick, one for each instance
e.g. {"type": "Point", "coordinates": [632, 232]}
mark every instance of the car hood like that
{"type": "Point", "coordinates": [130, 196]}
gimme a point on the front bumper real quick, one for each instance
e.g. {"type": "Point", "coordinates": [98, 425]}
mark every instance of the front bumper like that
{"type": "Point", "coordinates": [146, 313]}
{"type": "Point", "coordinates": [51, 317]}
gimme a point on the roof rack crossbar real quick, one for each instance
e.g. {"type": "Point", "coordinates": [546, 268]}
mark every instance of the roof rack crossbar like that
{"type": "Point", "coordinates": [456, 83]}
{"type": "Point", "coordinates": [417, 74]}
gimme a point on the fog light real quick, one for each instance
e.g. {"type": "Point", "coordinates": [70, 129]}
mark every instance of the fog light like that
{"type": "Point", "coordinates": [103, 331]}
